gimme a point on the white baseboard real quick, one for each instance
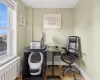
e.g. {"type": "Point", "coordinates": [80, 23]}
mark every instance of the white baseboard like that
{"type": "Point", "coordinates": [82, 72]}
{"type": "Point", "coordinates": [56, 63]}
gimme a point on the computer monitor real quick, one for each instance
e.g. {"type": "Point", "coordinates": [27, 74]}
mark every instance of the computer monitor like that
{"type": "Point", "coordinates": [43, 40]}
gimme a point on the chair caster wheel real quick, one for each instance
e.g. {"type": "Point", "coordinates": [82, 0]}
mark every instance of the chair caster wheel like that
{"type": "Point", "coordinates": [62, 74]}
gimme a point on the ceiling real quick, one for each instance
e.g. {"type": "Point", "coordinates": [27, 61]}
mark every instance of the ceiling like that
{"type": "Point", "coordinates": [51, 3]}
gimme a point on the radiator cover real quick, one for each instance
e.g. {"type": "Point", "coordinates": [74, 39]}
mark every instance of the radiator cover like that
{"type": "Point", "coordinates": [10, 70]}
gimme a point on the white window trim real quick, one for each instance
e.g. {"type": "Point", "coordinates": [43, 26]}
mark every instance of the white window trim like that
{"type": "Point", "coordinates": [7, 57]}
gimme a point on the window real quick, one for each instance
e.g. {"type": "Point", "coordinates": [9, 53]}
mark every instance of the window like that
{"type": "Point", "coordinates": [7, 29]}
{"type": "Point", "coordinates": [3, 28]}
{"type": "Point", "coordinates": [3, 15]}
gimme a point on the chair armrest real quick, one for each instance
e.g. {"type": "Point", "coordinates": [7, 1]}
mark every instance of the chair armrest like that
{"type": "Point", "coordinates": [64, 49]}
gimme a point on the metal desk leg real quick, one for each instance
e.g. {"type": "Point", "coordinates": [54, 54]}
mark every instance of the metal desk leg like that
{"type": "Point", "coordinates": [49, 66]}
{"type": "Point", "coordinates": [53, 64]}
{"type": "Point", "coordinates": [53, 76]}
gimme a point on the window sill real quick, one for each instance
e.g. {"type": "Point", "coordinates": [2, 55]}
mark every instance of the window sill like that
{"type": "Point", "coordinates": [6, 58]}
{"type": "Point", "coordinates": [3, 53]}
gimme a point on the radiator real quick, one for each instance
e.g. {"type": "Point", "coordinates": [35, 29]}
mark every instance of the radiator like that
{"type": "Point", "coordinates": [10, 70]}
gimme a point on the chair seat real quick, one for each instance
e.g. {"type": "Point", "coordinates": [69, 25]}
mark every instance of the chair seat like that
{"type": "Point", "coordinates": [68, 58]}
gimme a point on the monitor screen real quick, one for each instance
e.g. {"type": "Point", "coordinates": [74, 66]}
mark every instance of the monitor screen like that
{"type": "Point", "coordinates": [43, 40]}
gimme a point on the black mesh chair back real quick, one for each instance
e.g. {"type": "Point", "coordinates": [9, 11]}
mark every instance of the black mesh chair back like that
{"type": "Point", "coordinates": [73, 45]}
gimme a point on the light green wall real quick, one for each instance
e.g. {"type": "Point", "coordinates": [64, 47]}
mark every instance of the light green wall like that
{"type": "Point", "coordinates": [29, 25]}
{"type": "Point", "coordinates": [96, 38]}
{"type": "Point", "coordinates": [21, 30]}
{"type": "Point", "coordinates": [53, 36]}
{"type": "Point", "coordinates": [58, 34]}
{"type": "Point", "coordinates": [87, 23]}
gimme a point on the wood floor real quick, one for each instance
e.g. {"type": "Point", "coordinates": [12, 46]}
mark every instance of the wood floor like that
{"type": "Point", "coordinates": [58, 71]}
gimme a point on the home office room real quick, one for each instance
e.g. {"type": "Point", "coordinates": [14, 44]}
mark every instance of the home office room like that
{"type": "Point", "coordinates": [49, 39]}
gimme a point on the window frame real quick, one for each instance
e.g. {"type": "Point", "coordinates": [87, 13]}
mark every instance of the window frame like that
{"type": "Point", "coordinates": [12, 23]}
{"type": "Point", "coordinates": [8, 29]}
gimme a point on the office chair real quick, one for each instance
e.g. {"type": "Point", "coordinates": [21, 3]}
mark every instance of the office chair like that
{"type": "Point", "coordinates": [71, 55]}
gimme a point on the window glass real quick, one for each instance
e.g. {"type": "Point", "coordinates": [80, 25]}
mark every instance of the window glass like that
{"type": "Point", "coordinates": [3, 15]}
{"type": "Point", "coordinates": [3, 41]}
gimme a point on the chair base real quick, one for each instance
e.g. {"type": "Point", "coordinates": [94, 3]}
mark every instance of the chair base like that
{"type": "Point", "coordinates": [71, 69]}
